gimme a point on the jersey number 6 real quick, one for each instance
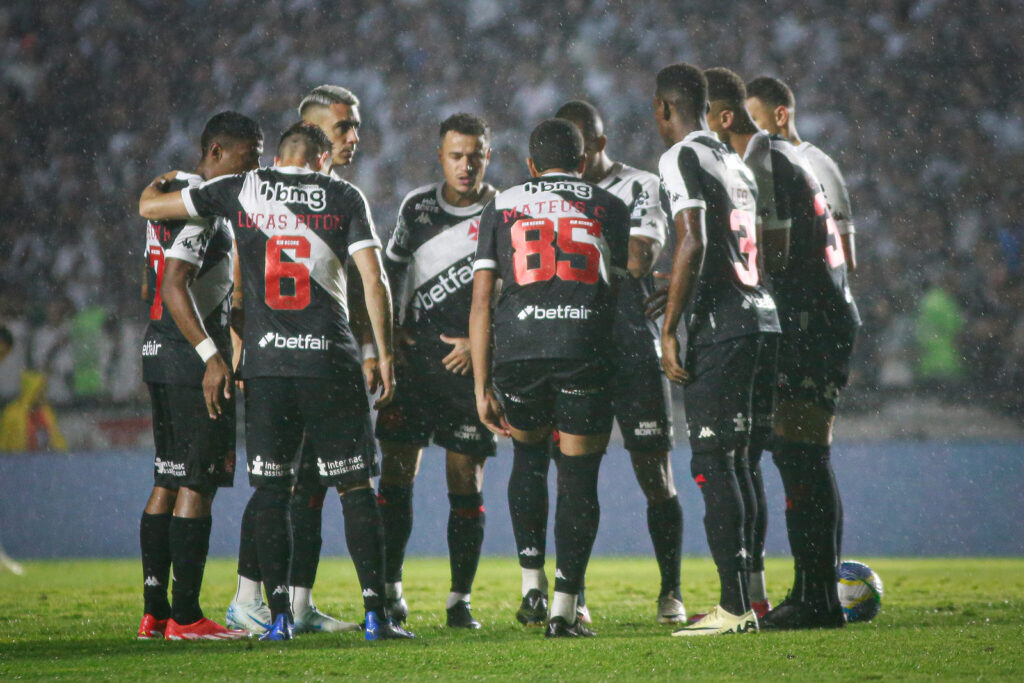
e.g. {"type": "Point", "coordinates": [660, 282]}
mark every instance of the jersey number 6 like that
{"type": "Point", "coordinates": [277, 270]}
{"type": "Point", "coordinates": [541, 246]}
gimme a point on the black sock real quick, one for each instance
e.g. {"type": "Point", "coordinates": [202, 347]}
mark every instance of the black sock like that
{"type": "Point", "coordinates": [466, 520]}
{"type": "Point", "coordinates": [272, 531]}
{"type": "Point", "coordinates": [665, 524]}
{"type": "Point", "coordinates": [364, 535]}
{"type": "Point", "coordinates": [395, 503]}
{"type": "Point", "coordinates": [307, 507]}
{"type": "Point", "coordinates": [761, 513]}
{"type": "Point", "coordinates": [528, 501]}
{"type": "Point", "coordinates": [190, 543]}
{"type": "Point", "coordinates": [576, 518]}
{"type": "Point", "coordinates": [715, 474]}
{"type": "Point", "coordinates": [154, 538]}
{"type": "Point", "coordinates": [749, 495]}
{"type": "Point", "coordinates": [248, 555]}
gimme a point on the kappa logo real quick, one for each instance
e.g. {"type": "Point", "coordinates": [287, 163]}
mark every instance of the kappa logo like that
{"type": "Point", "coordinates": [369, 593]}
{"type": "Point", "coordinates": [580, 189]}
{"type": "Point", "coordinates": [313, 196]}
{"type": "Point", "coordinates": [423, 218]}
{"type": "Point", "coordinates": [530, 552]}
{"type": "Point", "coordinates": [559, 574]}
{"type": "Point", "coordinates": [706, 433]}
{"type": "Point", "coordinates": [151, 581]}
{"type": "Point", "coordinates": [280, 590]}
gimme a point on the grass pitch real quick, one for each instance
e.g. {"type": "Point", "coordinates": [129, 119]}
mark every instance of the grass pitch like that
{"type": "Point", "coordinates": [956, 618]}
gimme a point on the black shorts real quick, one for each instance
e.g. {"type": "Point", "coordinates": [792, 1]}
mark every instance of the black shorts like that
{"type": "Point", "coordinates": [573, 396]}
{"type": "Point", "coordinates": [762, 401]}
{"type": "Point", "coordinates": [435, 404]}
{"type": "Point", "coordinates": [334, 414]}
{"type": "Point", "coordinates": [643, 402]}
{"type": "Point", "coordinates": [814, 364]}
{"type": "Point", "coordinates": [717, 401]}
{"type": "Point", "coordinates": [191, 449]}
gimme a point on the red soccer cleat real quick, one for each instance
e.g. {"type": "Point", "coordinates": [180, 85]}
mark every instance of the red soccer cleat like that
{"type": "Point", "coordinates": [204, 629]}
{"type": "Point", "coordinates": [151, 628]}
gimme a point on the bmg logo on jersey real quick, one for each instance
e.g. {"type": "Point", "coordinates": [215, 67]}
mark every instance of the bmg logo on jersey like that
{"type": "Point", "coordinates": [313, 196]}
{"type": "Point", "coordinates": [581, 190]}
{"type": "Point", "coordinates": [303, 342]}
{"type": "Point", "coordinates": [555, 313]}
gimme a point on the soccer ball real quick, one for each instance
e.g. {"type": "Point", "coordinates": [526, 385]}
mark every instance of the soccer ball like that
{"type": "Point", "coordinates": [860, 591]}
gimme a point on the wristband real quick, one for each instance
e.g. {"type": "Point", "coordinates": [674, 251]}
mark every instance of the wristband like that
{"type": "Point", "coordinates": [206, 349]}
{"type": "Point", "coordinates": [369, 351]}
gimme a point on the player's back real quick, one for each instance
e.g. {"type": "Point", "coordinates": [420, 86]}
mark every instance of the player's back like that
{"type": "Point", "coordinates": [700, 172]}
{"type": "Point", "coordinates": [832, 182]}
{"type": "Point", "coordinates": [558, 243]}
{"type": "Point", "coordinates": [167, 357]}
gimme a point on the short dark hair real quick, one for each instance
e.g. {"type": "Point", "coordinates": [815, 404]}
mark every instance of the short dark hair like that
{"type": "Point", "coordinates": [585, 115]}
{"type": "Point", "coordinates": [685, 86]}
{"type": "Point", "coordinates": [467, 124]}
{"type": "Point", "coordinates": [313, 140]}
{"type": "Point", "coordinates": [556, 143]}
{"type": "Point", "coordinates": [229, 125]}
{"type": "Point", "coordinates": [772, 92]}
{"type": "Point", "coordinates": [726, 86]}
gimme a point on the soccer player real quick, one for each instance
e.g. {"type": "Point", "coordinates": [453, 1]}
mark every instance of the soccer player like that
{"type": "Point", "coordinates": [191, 265]}
{"type": "Point", "coordinates": [429, 260]}
{"type": "Point", "coordinates": [773, 107]}
{"type": "Point", "coordinates": [716, 281]}
{"type": "Point", "coordinates": [640, 392]}
{"type": "Point", "coordinates": [295, 229]}
{"type": "Point", "coordinates": [559, 244]}
{"type": "Point", "coordinates": [819, 323]}
{"type": "Point", "coordinates": [336, 111]}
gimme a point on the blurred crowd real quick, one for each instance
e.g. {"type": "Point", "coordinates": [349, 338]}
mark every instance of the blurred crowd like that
{"type": "Point", "coordinates": [919, 101]}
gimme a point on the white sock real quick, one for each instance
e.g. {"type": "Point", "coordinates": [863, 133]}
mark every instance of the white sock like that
{"type": "Point", "coordinates": [534, 579]}
{"type": "Point", "coordinates": [755, 587]}
{"type": "Point", "coordinates": [393, 591]}
{"type": "Point", "coordinates": [302, 598]}
{"type": "Point", "coordinates": [564, 605]}
{"type": "Point", "coordinates": [455, 598]}
{"type": "Point", "coordinates": [248, 590]}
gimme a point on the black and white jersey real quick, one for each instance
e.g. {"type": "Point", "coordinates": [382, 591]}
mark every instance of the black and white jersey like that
{"type": "Point", "coordinates": [430, 261]}
{"type": "Point", "coordinates": [814, 281]}
{"type": "Point", "coordinates": [167, 357]}
{"type": "Point", "coordinates": [647, 204]}
{"type": "Point", "coordinates": [773, 211]}
{"type": "Point", "coordinates": [295, 230]}
{"type": "Point", "coordinates": [700, 172]}
{"type": "Point", "coordinates": [834, 185]}
{"type": "Point", "coordinates": [558, 243]}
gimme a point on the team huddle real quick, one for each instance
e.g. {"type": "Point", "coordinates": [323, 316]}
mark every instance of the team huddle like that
{"type": "Point", "coordinates": [532, 313]}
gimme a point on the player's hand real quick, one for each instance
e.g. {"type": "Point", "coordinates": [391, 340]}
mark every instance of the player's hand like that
{"type": "Point", "coordinates": [216, 383]}
{"type": "Point", "coordinates": [654, 305]}
{"type": "Point", "coordinates": [403, 342]}
{"type": "Point", "coordinates": [489, 411]}
{"type": "Point", "coordinates": [387, 382]}
{"type": "Point", "coordinates": [160, 182]}
{"type": "Point", "coordinates": [670, 360]}
{"type": "Point", "coordinates": [458, 360]}
{"type": "Point", "coordinates": [371, 371]}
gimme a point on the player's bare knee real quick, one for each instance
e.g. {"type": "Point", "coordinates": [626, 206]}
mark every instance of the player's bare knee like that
{"type": "Point", "coordinates": [582, 444]}
{"type": "Point", "coordinates": [465, 473]}
{"type": "Point", "coordinates": [400, 463]}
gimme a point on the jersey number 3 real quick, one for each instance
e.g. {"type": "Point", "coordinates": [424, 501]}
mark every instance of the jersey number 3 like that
{"type": "Point", "coordinates": [277, 270]}
{"type": "Point", "coordinates": [540, 245]}
{"type": "Point", "coordinates": [742, 223]}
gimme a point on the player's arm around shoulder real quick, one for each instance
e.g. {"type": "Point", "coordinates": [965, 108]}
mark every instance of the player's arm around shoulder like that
{"type": "Point", "coordinates": [157, 204]}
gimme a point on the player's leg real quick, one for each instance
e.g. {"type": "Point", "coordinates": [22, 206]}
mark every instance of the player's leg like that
{"type": "Point", "coordinates": [247, 609]}
{"type": "Point", "coordinates": [400, 463]}
{"type": "Point", "coordinates": [763, 411]}
{"type": "Point", "coordinates": [466, 521]}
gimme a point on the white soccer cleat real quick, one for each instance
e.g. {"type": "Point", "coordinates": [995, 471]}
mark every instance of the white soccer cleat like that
{"type": "Point", "coordinates": [671, 610]}
{"type": "Point", "coordinates": [718, 621]}
{"type": "Point", "coordinates": [312, 620]}
{"type": "Point", "coordinates": [10, 564]}
{"type": "Point", "coordinates": [253, 617]}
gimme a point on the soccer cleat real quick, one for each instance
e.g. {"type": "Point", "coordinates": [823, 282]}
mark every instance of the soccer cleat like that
{"type": "Point", "coordinates": [376, 628]}
{"type": "Point", "coordinates": [459, 616]}
{"type": "Point", "coordinates": [558, 627]}
{"type": "Point", "coordinates": [312, 620]}
{"type": "Point", "coordinates": [151, 628]}
{"type": "Point", "coordinates": [761, 609]}
{"type": "Point", "coordinates": [793, 614]}
{"type": "Point", "coordinates": [671, 609]}
{"type": "Point", "coordinates": [253, 617]}
{"type": "Point", "coordinates": [718, 621]}
{"type": "Point", "coordinates": [534, 609]}
{"type": "Point", "coordinates": [582, 611]}
{"type": "Point", "coordinates": [204, 629]}
{"type": "Point", "coordinates": [397, 609]}
{"type": "Point", "coordinates": [281, 629]}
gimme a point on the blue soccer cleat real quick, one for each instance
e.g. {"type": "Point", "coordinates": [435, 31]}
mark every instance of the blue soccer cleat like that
{"type": "Point", "coordinates": [281, 629]}
{"type": "Point", "coordinates": [376, 628]}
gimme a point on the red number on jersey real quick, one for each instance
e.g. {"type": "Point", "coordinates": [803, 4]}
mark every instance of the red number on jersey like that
{"type": "Point", "coordinates": [156, 262]}
{"type": "Point", "coordinates": [834, 248]}
{"type": "Point", "coordinates": [546, 267]}
{"type": "Point", "coordinates": [742, 222]}
{"type": "Point", "coordinates": [276, 270]}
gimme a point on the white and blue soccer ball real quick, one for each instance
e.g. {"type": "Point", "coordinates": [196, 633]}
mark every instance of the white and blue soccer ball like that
{"type": "Point", "coordinates": [860, 591]}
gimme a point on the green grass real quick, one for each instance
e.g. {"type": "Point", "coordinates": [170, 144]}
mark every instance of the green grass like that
{"type": "Point", "coordinates": [955, 618]}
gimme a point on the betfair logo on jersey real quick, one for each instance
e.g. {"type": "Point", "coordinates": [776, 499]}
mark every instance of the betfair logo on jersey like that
{"type": "Point", "coordinates": [313, 196]}
{"type": "Point", "coordinates": [556, 313]}
{"type": "Point", "coordinates": [304, 342]}
{"type": "Point", "coordinates": [151, 348]}
{"type": "Point", "coordinates": [447, 284]}
{"type": "Point", "coordinates": [580, 189]}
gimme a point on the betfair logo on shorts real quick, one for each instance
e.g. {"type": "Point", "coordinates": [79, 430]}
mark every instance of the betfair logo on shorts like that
{"type": "Point", "coordinates": [313, 196]}
{"type": "Point", "coordinates": [556, 313]}
{"type": "Point", "coordinates": [303, 342]}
